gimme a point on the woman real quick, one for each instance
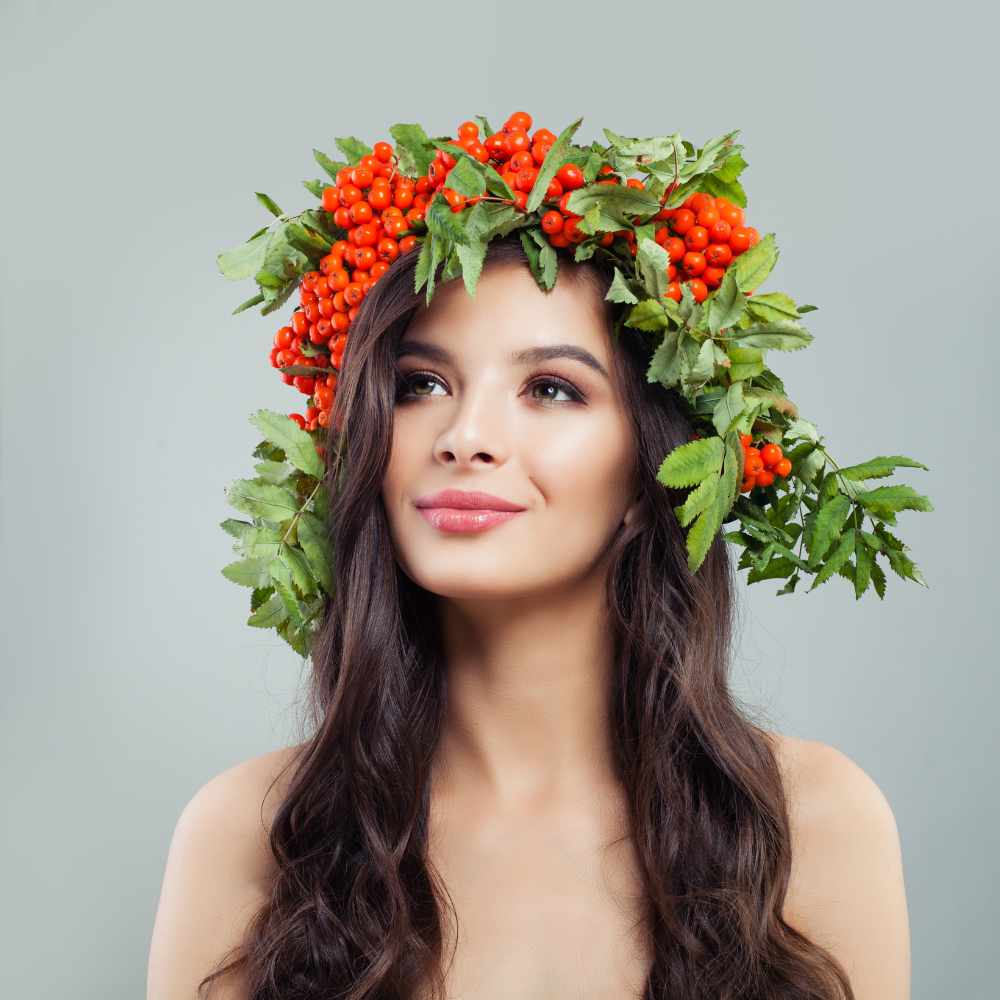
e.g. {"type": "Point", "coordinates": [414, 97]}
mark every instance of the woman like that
{"type": "Point", "coordinates": [528, 776]}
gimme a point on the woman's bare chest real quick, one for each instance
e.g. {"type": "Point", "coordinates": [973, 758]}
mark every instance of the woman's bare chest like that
{"type": "Point", "coordinates": [545, 911]}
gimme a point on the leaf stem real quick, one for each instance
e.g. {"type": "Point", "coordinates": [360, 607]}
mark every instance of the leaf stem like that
{"type": "Point", "coordinates": [295, 517]}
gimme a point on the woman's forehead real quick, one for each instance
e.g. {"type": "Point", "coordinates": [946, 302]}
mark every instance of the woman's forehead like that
{"type": "Point", "coordinates": [510, 313]}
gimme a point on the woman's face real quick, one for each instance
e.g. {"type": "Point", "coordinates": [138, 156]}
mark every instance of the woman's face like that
{"type": "Point", "coordinates": [548, 433]}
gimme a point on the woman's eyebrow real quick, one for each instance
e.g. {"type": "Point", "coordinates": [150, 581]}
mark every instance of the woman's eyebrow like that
{"type": "Point", "coordinates": [527, 356]}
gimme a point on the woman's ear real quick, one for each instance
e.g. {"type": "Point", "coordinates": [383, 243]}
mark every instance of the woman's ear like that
{"type": "Point", "coordinates": [633, 510]}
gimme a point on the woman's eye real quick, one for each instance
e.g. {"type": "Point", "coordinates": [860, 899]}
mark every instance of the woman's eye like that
{"type": "Point", "coordinates": [560, 386]}
{"type": "Point", "coordinates": [407, 385]}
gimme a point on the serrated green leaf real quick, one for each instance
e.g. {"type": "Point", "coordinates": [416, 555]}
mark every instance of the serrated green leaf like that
{"type": "Point", "coordinates": [619, 290]}
{"type": "Point", "coordinates": [878, 580]}
{"type": "Point", "coordinates": [331, 167]}
{"type": "Point", "coordinates": [472, 256]}
{"type": "Point", "coordinates": [270, 614]}
{"type": "Point", "coordinates": [772, 306]}
{"type": "Point", "coordinates": [863, 559]}
{"type": "Point", "coordinates": [268, 203]}
{"type": "Point", "coordinates": [826, 524]}
{"type": "Point", "coordinates": [353, 148]}
{"type": "Point", "coordinates": [648, 315]}
{"type": "Point", "coordinates": [413, 148]}
{"type": "Point", "coordinates": [728, 409]}
{"type": "Point", "coordinates": [312, 538]}
{"type": "Point", "coordinates": [891, 499]}
{"type": "Point", "coordinates": [245, 260]}
{"type": "Point", "coordinates": [781, 335]}
{"type": "Point", "coordinates": [843, 552]}
{"type": "Point", "coordinates": [690, 463]}
{"type": "Point", "coordinates": [273, 472]}
{"type": "Point", "coordinates": [652, 262]}
{"type": "Point", "coordinates": [443, 222]}
{"type": "Point", "coordinates": [299, 568]}
{"type": "Point", "coordinates": [248, 572]}
{"type": "Point", "coordinates": [297, 444]}
{"type": "Point", "coordinates": [281, 580]}
{"type": "Point", "coordinates": [754, 265]}
{"type": "Point", "coordinates": [876, 468]}
{"type": "Point", "coordinates": [698, 499]}
{"type": "Point", "coordinates": [746, 362]}
{"type": "Point", "coordinates": [270, 503]}
{"type": "Point", "coordinates": [235, 527]}
{"type": "Point", "coordinates": [554, 159]}
{"type": "Point", "coordinates": [726, 304]}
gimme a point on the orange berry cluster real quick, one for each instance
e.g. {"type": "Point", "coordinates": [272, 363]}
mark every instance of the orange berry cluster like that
{"type": "Point", "coordinates": [702, 238]}
{"type": "Point", "coordinates": [761, 465]}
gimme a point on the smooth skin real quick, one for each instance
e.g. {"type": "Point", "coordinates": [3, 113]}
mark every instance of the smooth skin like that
{"type": "Point", "coordinates": [525, 805]}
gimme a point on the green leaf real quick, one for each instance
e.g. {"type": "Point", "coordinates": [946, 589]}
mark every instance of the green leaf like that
{"type": "Point", "coordinates": [413, 148]}
{"type": "Point", "coordinates": [237, 529]}
{"type": "Point", "coordinates": [245, 260]}
{"type": "Point", "coordinates": [876, 468]}
{"type": "Point", "coordinates": [472, 256]}
{"type": "Point", "coordinates": [690, 463]}
{"type": "Point", "coordinates": [790, 586]}
{"type": "Point", "coordinates": [615, 204]}
{"type": "Point", "coordinates": [297, 444]}
{"type": "Point", "coordinates": [281, 580]}
{"type": "Point", "coordinates": [706, 526]}
{"type": "Point", "coordinates": [665, 365]}
{"type": "Point", "coordinates": [772, 306]}
{"type": "Point", "coordinates": [904, 567]}
{"type": "Point", "coordinates": [273, 472]}
{"type": "Point", "coordinates": [332, 167]}
{"type": "Point", "coordinates": [299, 568]}
{"type": "Point", "coordinates": [439, 249]}
{"type": "Point", "coordinates": [554, 159]}
{"type": "Point", "coordinates": [443, 222]}
{"type": "Point", "coordinates": [726, 304]}
{"type": "Point", "coordinates": [248, 572]}
{"type": "Point", "coordinates": [547, 259]}
{"type": "Point", "coordinates": [249, 304]}
{"type": "Point", "coordinates": [783, 335]}
{"type": "Point", "coordinates": [728, 409]}
{"type": "Point", "coordinates": [648, 315]}
{"type": "Point", "coordinates": [826, 524]}
{"type": "Point", "coordinates": [841, 554]}
{"type": "Point", "coordinates": [270, 614]}
{"type": "Point", "coordinates": [353, 148]}
{"type": "Point", "coordinates": [878, 580]}
{"type": "Point", "coordinates": [890, 499]}
{"type": "Point", "coordinates": [619, 290]}
{"type": "Point", "coordinates": [752, 266]}
{"type": "Point", "coordinates": [421, 272]}
{"type": "Point", "coordinates": [698, 499]}
{"type": "Point", "coordinates": [312, 538]}
{"type": "Point", "coordinates": [652, 262]}
{"type": "Point", "coordinates": [463, 177]}
{"type": "Point", "coordinates": [268, 203]}
{"type": "Point", "coordinates": [863, 558]}
{"type": "Point", "coordinates": [270, 503]}
{"type": "Point", "coordinates": [747, 362]}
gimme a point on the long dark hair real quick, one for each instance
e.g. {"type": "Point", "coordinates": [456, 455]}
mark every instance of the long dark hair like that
{"type": "Point", "coordinates": [355, 908]}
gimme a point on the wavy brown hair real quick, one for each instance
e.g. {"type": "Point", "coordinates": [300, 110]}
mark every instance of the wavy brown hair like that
{"type": "Point", "coordinates": [355, 907]}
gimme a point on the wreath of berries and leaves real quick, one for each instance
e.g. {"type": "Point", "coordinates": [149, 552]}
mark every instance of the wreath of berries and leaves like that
{"type": "Point", "coordinates": [686, 268]}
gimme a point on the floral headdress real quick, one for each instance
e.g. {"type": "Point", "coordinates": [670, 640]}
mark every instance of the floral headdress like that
{"type": "Point", "coordinates": [686, 268]}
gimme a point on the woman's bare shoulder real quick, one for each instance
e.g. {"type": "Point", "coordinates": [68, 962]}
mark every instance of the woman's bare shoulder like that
{"type": "Point", "coordinates": [218, 873]}
{"type": "Point", "coordinates": [245, 797]}
{"type": "Point", "coordinates": [846, 889]}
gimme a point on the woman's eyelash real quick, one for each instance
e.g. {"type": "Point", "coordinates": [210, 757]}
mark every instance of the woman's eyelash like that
{"type": "Point", "coordinates": [403, 381]}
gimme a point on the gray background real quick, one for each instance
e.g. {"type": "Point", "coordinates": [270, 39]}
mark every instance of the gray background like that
{"type": "Point", "coordinates": [135, 135]}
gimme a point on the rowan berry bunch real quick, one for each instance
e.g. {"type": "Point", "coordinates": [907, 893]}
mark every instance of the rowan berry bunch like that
{"type": "Point", "coordinates": [666, 220]}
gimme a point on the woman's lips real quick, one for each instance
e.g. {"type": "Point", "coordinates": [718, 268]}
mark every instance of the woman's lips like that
{"type": "Point", "coordinates": [470, 519]}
